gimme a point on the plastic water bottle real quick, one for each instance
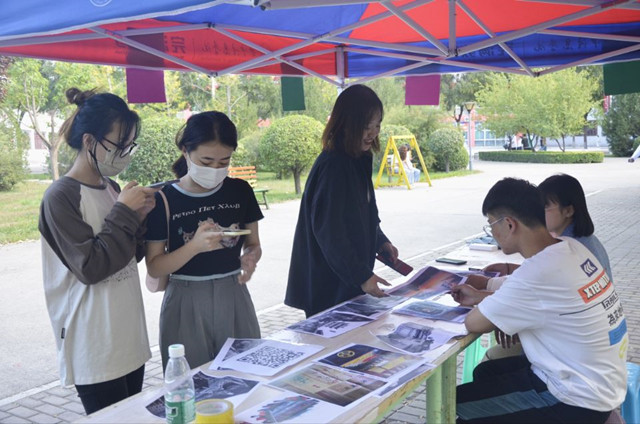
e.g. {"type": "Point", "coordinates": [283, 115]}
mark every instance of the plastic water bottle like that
{"type": "Point", "coordinates": [179, 402]}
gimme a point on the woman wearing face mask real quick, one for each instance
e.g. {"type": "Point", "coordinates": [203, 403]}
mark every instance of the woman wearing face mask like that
{"type": "Point", "coordinates": [338, 232]}
{"type": "Point", "coordinates": [91, 237]}
{"type": "Point", "coordinates": [206, 300]}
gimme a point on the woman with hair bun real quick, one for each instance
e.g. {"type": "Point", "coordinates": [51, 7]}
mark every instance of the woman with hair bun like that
{"type": "Point", "coordinates": [206, 300]}
{"type": "Point", "coordinates": [92, 236]}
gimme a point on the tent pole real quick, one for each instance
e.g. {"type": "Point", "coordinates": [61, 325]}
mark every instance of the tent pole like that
{"type": "Point", "coordinates": [453, 48]}
{"type": "Point", "coordinates": [544, 25]}
{"type": "Point", "coordinates": [591, 59]}
{"type": "Point", "coordinates": [415, 26]}
{"type": "Point", "coordinates": [318, 38]}
{"type": "Point", "coordinates": [492, 34]}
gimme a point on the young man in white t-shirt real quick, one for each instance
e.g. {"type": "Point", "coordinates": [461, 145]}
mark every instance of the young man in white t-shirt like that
{"type": "Point", "coordinates": [566, 312]}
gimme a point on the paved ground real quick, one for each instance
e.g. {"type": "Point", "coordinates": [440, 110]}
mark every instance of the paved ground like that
{"type": "Point", "coordinates": [423, 223]}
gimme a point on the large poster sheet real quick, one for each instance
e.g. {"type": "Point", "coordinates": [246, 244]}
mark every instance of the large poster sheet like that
{"type": "Point", "coordinates": [432, 310]}
{"type": "Point", "coordinates": [328, 384]}
{"type": "Point", "coordinates": [372, 361]}
{"type": "Point", "coordinates": [231, 348]}
{"type": "Point", "coordinates": [330, 324]}
{"type": "Point", "coordinates": [290, 408]}
{"type": "Point", "coordinates": [233, 389]}
{"type": "Point", "coordinates": [416, 339]}
{"type": "Point", "coordinates": [428, 281]}
{"type": "Point", "coordinates": [369, 306]}
{"type": "Point", "coordinates": [270, 357]}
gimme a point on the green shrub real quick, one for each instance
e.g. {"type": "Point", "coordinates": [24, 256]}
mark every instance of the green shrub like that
{"type": "Point", "coordinates": [447, 147]}
{"type": "Point", "coordinates": [248, 150]}
{"type": "Point", "coordinates": [543, 157]}
{"type": "Point", "coordinates": [12, 169]}
{"type": "Point", "coordinates": [156, 151]}
{"type": "Point", "coordinates": [291, 144]}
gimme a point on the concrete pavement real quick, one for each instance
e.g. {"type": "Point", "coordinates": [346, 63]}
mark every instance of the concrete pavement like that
{"type": "Point", "coordinates": [417, 221]}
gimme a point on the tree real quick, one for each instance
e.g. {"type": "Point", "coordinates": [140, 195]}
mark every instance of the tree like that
{"type": "Point", "coordinates": [447, 146]}
{"type": "Point", "coordinates": [457, 89]}
{"type": "Point", "coordinates": [622, 123]}
{"type": "Point", "coordinates": [36, 88]}
{"type": "Point", "coordinates": [291, 144]}
{"type": "Point", "coordinates": [156, 151]}
{"type": "Point", "coordinates": [551, 106]}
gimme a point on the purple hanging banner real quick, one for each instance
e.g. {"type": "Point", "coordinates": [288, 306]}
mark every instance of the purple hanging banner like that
{"type": "Point", "coordinates": [423, 90]}
{"type": "Point", "coordinates": [145, 86]}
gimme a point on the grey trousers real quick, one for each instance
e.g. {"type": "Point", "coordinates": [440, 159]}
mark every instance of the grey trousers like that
{"type": "Point", "coordinates": [201, 315]}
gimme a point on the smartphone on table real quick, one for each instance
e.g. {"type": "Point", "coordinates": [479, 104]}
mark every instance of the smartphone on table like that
{"type": "Point", "coordinates": [451, 261]}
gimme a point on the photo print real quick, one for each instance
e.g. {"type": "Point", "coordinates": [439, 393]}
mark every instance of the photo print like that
{"type": "Point", "coordinates": [433, 311]}
{"type": "Point", "coordinates": [290, 408]}
{"type": "Point", "coordinates": [372, 361]}
{"type": "Point", "coordinates": [330, 324]}
{"type": "Point", "coordinates": [428, 280]}
{"type": "Point", "coordinates": [416, 339]}
{"type": "Point", "coordinates": [233, 389]}
{"type": "Point", "coordinates": [328, 384]}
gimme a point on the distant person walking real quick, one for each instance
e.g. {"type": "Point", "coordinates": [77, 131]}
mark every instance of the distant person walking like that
{"type": "Point", "coordinates": [338, 232]}
{"type": "Point", "coordinates": [91, 237]}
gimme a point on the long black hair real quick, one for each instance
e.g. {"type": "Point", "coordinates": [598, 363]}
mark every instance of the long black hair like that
{"type": "Point", "coordinates": [566, 190]}
{"type": "Point", "coordinates": [203, 128]}
{"type": "Point", "coordinates": [353, 111]}
{"type": "Point", "coordinates": [96, 114]}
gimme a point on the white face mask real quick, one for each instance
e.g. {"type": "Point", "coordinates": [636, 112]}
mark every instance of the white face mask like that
{"type": "Point", "coordinates": [112, 164]}
{"type": "Point", "coordinates": [205, 176]}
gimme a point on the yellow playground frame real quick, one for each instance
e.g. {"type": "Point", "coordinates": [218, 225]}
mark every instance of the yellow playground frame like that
{"type": "Point", "coordinates": [391, 162]}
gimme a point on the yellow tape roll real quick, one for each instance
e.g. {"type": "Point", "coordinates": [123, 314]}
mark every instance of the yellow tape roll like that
{"type": "Point", "coordinates": [214, 411]}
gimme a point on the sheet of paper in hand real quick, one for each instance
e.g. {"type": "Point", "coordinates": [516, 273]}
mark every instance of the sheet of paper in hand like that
{"type": "Point", "coordinates": [428, 279]}
{"type": "Point", "coordinates": [433, 310]}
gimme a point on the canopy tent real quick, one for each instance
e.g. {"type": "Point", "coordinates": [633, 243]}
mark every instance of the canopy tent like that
{"type": "Point", "coordinates": [330, 39]}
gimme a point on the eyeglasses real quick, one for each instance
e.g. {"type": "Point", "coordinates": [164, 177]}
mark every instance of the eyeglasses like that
{"type": "Point", "coordinates": [124, 151]}
{"type": "Point", "coordinates": [487, 228]}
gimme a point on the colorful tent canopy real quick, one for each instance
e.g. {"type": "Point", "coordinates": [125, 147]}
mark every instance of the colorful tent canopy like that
{"type": "Point", "coordinates": [331, 39]}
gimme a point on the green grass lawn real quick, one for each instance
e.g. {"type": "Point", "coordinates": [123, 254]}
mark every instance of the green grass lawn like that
{"type": "Point", "coordinates": [384, 181]}
{"type": "Point", "coordinates": [19, 212]}
{"type": "Point", "coordinates": [20, 206]}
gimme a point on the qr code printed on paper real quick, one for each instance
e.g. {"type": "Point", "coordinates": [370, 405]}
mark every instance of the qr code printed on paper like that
{"type": "Point", "coordinates": [271, 357]}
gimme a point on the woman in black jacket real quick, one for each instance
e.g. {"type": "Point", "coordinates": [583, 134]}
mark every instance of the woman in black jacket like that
{"type": "Point", "coordinates": [338, 232]}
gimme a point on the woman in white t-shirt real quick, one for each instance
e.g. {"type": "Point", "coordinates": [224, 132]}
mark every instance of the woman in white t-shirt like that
{"type": "Point", "coordinates": [91, 237]}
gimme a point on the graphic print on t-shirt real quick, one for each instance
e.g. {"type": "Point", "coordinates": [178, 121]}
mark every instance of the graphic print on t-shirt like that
{"type": "Point", "coordinates": [228, 242]}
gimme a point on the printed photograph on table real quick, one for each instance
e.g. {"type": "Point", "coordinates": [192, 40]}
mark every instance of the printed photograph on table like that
{"type": "Point", "coordinates": [231, 348]}
{"type": "Point", "coordinates": [416, 339]}
{"type": "Point", "coordinates": [328, 384]}
{"type": "Point", "coordinates": [433, 311]}
{"type": "Point", "coordinates": [478, 272]}
{"type": "Point", "coordinates": [330, 324]}
{"type": "Point", "coordinates": [233, 389]}
{"type": "Point", "coordinates": [290, 408]}
{"type": "Point", "coordinates": [372, 361]}
{"type": "Point", "coordinates": [421, 369]}
{"type": "Point", "coordinates": [428, 279]}
{"type": "Point", "coordinates": [370, 306]}
{"type": "Point", "coordinates": [270, 357]}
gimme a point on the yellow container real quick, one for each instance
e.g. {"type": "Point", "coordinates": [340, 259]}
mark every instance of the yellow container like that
{"type": "Point", "coordinates": [214, 411]}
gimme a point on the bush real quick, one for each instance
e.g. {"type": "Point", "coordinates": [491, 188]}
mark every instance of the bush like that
{"type": "Point", "coordinates": [156, 151]}
{"type": "Point", "coordinates": [247, 153]}
{"type": "Point", "coordinates": [291, 144]}
{"type": "Point", "coordinates": [447, 147]}
{"type": "Point", "coordinates": [543, 157]}
{"type": "Point", "coordinates": [12, 169]}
